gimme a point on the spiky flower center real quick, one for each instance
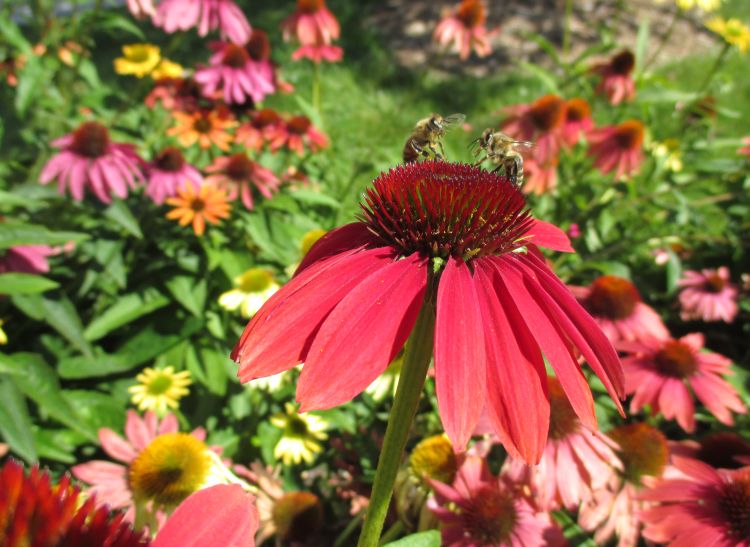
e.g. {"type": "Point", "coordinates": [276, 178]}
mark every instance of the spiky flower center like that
{"type": "Point", "coordinates": [297, 516]}
{"type": "Point", "coordinates": [629, 135]}
{"type": "Point", "coordinates": [258, 47]}
{"type": "Point", "coordinates": [562, 420]}
{"type": "Point", "coordinates": [643, 450]}
{"type": "Point", "coordinates": [547, 113]}
{"type": "Point", "coordinates": [623, 63]}
{"type": "Point", "coordinates": [310, 6]}
{"type": "Point", "coordinates": [298, 125]}
{"type": "Point", "coordinates": [735, 503]}
{"type": "Point", "coordinates": [169, 469]}
{"type": "Point", "coordinates": [434, 458]}
{"type": "Point", "coordinates": [255, 280]}
{"type": "Point", "coordinates": [721, 450]}
{"type": "Point", "coordinates": [714, 283]}
{"type": "Point", "coordinates": [91, 139]}
{"type": "Point", "coordinates": [577, 110]}
{"type": "Point", "coordinates": [296, 426]}
{"type": "Point", "coordinates": [265, 117]}
{"type": "Point", "coordinates": [492, 516]}
{"type": "Point", "coordinates": [202, 124]}
{"type": "Point", "coordinates": [239, 167]}
{"type": "Point", "coordinates": [443, 210]}
{"type": "Point", "coordinates": [170, 159]}
{"type": "Point", "coordinates": [471, 13]}
{"type": "Point", "coordinates": [159, 383]}
{"type": "Point", "coordinates": [676, 359]}
{"type": "Point", "coordinates": [235, 56]}
{"type": "Point", "coordinates": [612, 297]}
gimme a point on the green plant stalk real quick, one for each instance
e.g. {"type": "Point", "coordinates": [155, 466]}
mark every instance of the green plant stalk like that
{"type": "Point", "coordinates": [715, 67]}
{"type": "Point", "coordinates": [413, 374]}
{"type": "Point", "coordinates": [316, 87]}
{"type": "Point", "coordinates": [664, 40]}
{"type": "Point", "coordinates": [566, 29]}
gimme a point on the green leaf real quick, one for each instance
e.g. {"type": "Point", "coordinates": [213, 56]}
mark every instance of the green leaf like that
{"type": "Point", "coordinates": [15, 424]}
{"type": "Point", "coordinates": [308, 197]}
{"type": "Point", "coordinates": [190, 292]}
{"type": "Point", "coordinates": [125, 310]}
{"type": "Point", "coordinates": [110, 20]}
{"type": "Point", "coordinates": [674, 271]}
{"type": "Point", "coordinates": [431, 538]}
{"type": "Point", "coordinates": [120, 213]}
{"type": "Point", "coordinates": [10, 199]}
{"type": "Point", "coordinates": [210, 366]}
{"type": "Point", "coordinates": [545, 77]}
{"type": "Point", "coordinates": [21, 283]}
{"type": "Point", "coordinates": [641, 44]}
{"type": "Point", "coordinates": [59, 313]}
{"type": "Point", "coordinates": [97, 409]}
{"type": "Point", "coordinates": [55, 444]}
{"type": "Point", "coordinates": [14, 233]}
{"type": "Point", "coordinates": [13, 35]}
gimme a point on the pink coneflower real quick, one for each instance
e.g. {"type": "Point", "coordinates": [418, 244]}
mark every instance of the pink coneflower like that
{"type": "Point", "coordinates": [318, 54]}
{"type": "Point", "coordinates": [574, 231]}
{"type": "Point", "coordinates": [142, 8]}
{"type": "Point", "coordinates": [578, 120]}
{"type": "Point", "coordinates": [259, 131]}
{"type": "Point", "coordinates": [745, 150]}
{"type": "Point", "coordinates": [658, 373]}
{"type": "Point", "coordinates": [31, 259]}
{"type": "Point", "coordinates": [617, 148]}
{"type": "Point", "coordinates": [613, 511]}
{"type": "Point", "coordinates": [237, 174]}
{"type": "Point", "coordinates": [539, 179]}
{"type": "Point", "coordinates": [239, 73]}
{"type": "Point", "coordinates": [703, 507]}
{"type": "Point", "coordinates": [315, 28]}
{"type": "Point", "coordinates": [168, 173]}
{"type": "Point", "coordinates": [464, 28]}
{"type": "Point", "coordinates": [540, 122]}
{"type": "Point", "coordinates": [207, 15]}
{"type": "Point", "coordinates": [725, 450]}
{"type": "Point", "coordinates": [479, 509]}
{"type": "Point", "coordinates": [297, 133]}
{"type": "Point", "coordinates": [88, 159]}
{"type": "Point", "coordinates": [575, 461]}
{"type": "Point", "coordinates": [617, 77]}
{"type": "Point", "coordinates": [616, 305]}
{"type": "Point", "coordinates": [367, 281]}
{"type": "Point", "coordinates": [708, 295]}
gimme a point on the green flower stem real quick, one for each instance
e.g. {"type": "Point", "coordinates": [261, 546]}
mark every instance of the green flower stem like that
{"type": "Point", "coordinates": [566, 29]}
{"type": "Point", "coordinates": [714, 69]}
{"type": "Point", "coordinates": [316, 86]}
{"type": "Point", "coordinates": [413, 374]}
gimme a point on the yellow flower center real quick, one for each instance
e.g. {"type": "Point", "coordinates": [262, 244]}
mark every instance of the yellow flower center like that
{"type": "Point", "coordinates": [433, 458]}
{"type": "Point", "coordinates": [140, 54]}
{"type": "Point", "coordinates": [169, 469]}
{"type": "Point", "coordinates": [676, 359]}
{"type": "Point", "coordinates": [309, 239]}
{"type": "Point", "coordinates": [159, 384]}
{"type": "Point", "coordinates": [643, 450]}
{"type": "Point", "coordinates": [255, 280]}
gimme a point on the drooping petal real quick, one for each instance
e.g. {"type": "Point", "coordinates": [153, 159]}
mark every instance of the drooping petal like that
{"type": "Point", "coordinates": [459, 353]}
{"type": "Point", "coordinates": [116, 446]}
{"type": "Point", "coordinates": [347, 237]}
{"type": "Point", "coordinates": [544, 234]}
{"type": "Point", "coordinates": [363, 333]}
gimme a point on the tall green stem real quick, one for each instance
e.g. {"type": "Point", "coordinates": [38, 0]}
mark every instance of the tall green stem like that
{"type": "Point", "coordinates": [715, 68]}
{"type": "Point", "coordinates": [664, 40]}
{"type": "Point", "coordinates": [566, 29]}
{"type": "Point", "coordinates": [413, 374]}
{"type": "Point", "coordinates": [316, 87]}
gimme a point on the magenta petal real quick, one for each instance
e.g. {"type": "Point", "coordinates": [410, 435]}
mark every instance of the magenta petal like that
{"type": "Point", "coordinates": [137, 431]}
{"type": "Point", "coordinates": [363, 334]}
{"type": "Point", "coordinates": [279, 335]}
{"type": "Point", "coordinates": [544, 234]}
{"type": "Point", "coordinates": [345, 238]}
{"type": "Point", "coordinates": [517, 397]}
{"type": "Point", "coordinates": [116, 446]}
{"type": "Point", "coordinates": [460, 359]}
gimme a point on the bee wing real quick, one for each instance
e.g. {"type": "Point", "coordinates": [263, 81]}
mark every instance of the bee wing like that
{"type": "Point", "coordinates": [454, 119]}
{"type": "Point", "coordinates": [524, 145]}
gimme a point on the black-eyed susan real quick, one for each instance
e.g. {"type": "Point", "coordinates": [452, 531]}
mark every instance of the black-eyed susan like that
{"type": "Point", "coordinates": [167, 69]}
{"type": "Point", "coordinates": [733, 31]}
{"type": "Point", "coordinates": [204, 127]}
{"type": "Point", "coordinates": [138, 60]}
{"type": "Point", "coordinates": [251, 291]}
{"type": "Point", "coordinates": [299, 437]}
{"type": "Point", "coordinates": [209, 204]}
{"type": "Point", "coordinates": [159, 389]}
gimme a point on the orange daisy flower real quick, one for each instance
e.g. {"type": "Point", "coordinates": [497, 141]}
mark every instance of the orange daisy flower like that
{"type": "Point", "coordinates": [206, 127]}
{"type": "Point", "coordinates": [209, 204]}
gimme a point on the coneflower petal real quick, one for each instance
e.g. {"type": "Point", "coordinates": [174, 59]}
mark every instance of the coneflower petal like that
{"type": "Point", "coordinates": [345, 238]}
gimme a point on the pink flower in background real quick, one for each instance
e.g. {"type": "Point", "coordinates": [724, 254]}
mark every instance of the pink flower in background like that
{"type": "Point", "coordinates": [662, 374]}
{"type": "Point", "coordinates": [578, 121]}
{"type": "Point", "coordinates": [88, 159]}
{"type": "Point", "coordinates": [236, 74]}
{"type": "Point", "coordinates": [297, 133]}
{"type": "Point", "coordinates": [31, 259]}
{"type": "Point", "coordinates": [745, 150]}
{"type": "Point", "coordinates": [480, 509]}
{"type": "Point", "coordinates": [312, 24]}
{"type": "Point", "coordinates": [168, 173]}
{"type": "Point", "coordinates": [540, 122]}
{"type": "Point", "coordinates": [207, 15]}
{"type": "Point", "coordinates": [576, 460]}
{"type": "Point", "coordinates": [574, 231]}
{"type": "Point", "coordinates": [238, 174]}
{"type": "Point", "coordinates": [538, 179]}
{"type": "Point", "coordinates": [261, 128]}
{"type": "Point", "coordinates": [318, 54]}
{"type": "Point", "coordinates": [617, 77]}
{"type": "Point", "coordinates": [142, 8]}
{"type": "Point", "coordinates": [708, 295]}
{"type": "Point", "coordinates": [183, 94]}
{"type": "Point", "coordinates": [617, 148]}
{"type": "Point", "coordinates": [703, 506]}
{"type": "Point", "coordinates": [464, 28]}
{"type": "Point", "coordinates": [616, 305]}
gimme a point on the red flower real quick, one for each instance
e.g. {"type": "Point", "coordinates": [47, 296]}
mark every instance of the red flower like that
{"type": "Point", "coordinates": [617, 80]}
{"type": "Point", "coordinates": [618, 148]}
{"type": "Point", "coordinates": [315, 28]}
{"type": "Point", "coordinates": [295, 133]}
{"type": "Point", "coordinates": [463, 28]}
{"type": "Point", "coordinates": [467, 234]}
{"type": "Point", "coordinates": [237, 174]}
{"type": "Point", "coordinates": [541, 122]}
{"type": "Point", "coordinates": [578, 120]}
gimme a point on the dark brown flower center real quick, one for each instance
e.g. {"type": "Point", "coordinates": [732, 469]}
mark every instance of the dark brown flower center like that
{"type": "Point", "coordinates": [675, 359]}
{"type": "Point", "coordinates": [735, 503]}
{"type": "Point", "coordinates": [298, 125]}
{"type": "Point", "coordinates": [91, 139]}
{"type": "Point", "coordinates": [547, 113]}
{"type": "Point", "coordinates": [297, 516]}
{"type": "Point", "coordinates": [235, 56]}
{"type": "Point", "coordinates": [258, 47]}
{"type": "Point", "coordinates": [577, 109]}
{"type": "Point", "coordinates": [203, 124]}
{"type": "Point", "coordinates": [714, 283]}
{"type": "Point", "coordinates": [471, 13]}
{"type": "Point", "coordinates": [239, 167]}
{"type": "Point", "coordinates": [612, 297]}
{"type": "Point", "coordinates": [170, 159]}
{"type": "Point", "coordinates": [491, 518]}
{"type": "Point", "coordinates": [265, 117]}
{"type": "Point", "coordinates": [643, 450]}
{"type": "Point", "coordinates": [562, 420]}
{"type": "Point", "coordinates": [310, 6]}
{"type": "Point", "coordinates": [623, 63]}
{"type": "Point", "coordinates": [722, 449]}
{"type": "Point", "coordinates": [442, 210]}
{"type": "Point", "coordinates": [198, 205]}
{"type": "Point", "coordinates": [629, 135]}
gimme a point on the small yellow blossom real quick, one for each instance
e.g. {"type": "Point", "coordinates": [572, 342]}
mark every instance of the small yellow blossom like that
{"type": "Point", "coordinates": [251, 291]}
{"type": "Point", "coordinates": [734, 32]}
{"type": "Point", "coordinates": [167, 69]}
{"type": "Point", "coordinates": [300, 435]}
{"type": "Point", "coordinates": [669, 153]}
{"type": "Point", "coordinates": [310, 239]}
{"type": "Point", "coordinates": [160, 389]}
{"type": "Point", "coordinates": [139, 59]}
{"type": "Point", "coordinates": [3, 336]}
{"type": "Point", "coordinates": [705, 5]}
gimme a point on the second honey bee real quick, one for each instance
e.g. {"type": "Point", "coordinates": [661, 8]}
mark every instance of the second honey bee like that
{"type": "Point", "coordinates": [426, 140]}
{"type": "Point", "coordinates": [504, 152]}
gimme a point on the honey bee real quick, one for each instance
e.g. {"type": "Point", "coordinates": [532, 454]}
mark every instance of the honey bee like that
{"type": "Point", "coordinates": [427, 137]}
{"type": "Point", "coordinates": [504, 152]}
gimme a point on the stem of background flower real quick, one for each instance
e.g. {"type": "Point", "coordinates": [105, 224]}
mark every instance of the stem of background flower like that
{"type": "Point", "coordinates": [715, 68]}
{"type": "Point", "coordinates": [664, 40]}
{"type": "Point", "coordinates": [413, 374]}
{"type": "Point", "coordinates": [566, 29]}
{"type": "Point", "coordinates": [344, 536]}
{"type": "Point", "coordinates": [316, 87]}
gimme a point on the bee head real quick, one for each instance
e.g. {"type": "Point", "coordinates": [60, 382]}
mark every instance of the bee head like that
{"type": "Point", "coordinates": [436, 123]}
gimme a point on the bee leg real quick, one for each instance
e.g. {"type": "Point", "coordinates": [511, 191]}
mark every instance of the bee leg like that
{"type": "Point", "coordinates": [442, 149]}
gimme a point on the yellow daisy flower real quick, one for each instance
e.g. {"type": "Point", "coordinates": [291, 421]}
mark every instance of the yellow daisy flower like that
{"type": "Point", "coordinates": [300, 435]}
{"type": "Point", "coordinates": [139, 59]}
{"type": "Point", "coordinates": [160, 389]}
{"type": "Point", "coordinates": [167, 69]}
{"type": "Point", "coordinates": [308, 240]}
{"type": "Point", "coordinates": [669, 153]}
{"type": "Point", "coordinates": [3, 336]}
{"type": "Point", "coordinates": [251, 291]}
{"type": "Point", "coordinates": [705, 5]}
{"type": "Point", "coordinates": [734, 32]}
